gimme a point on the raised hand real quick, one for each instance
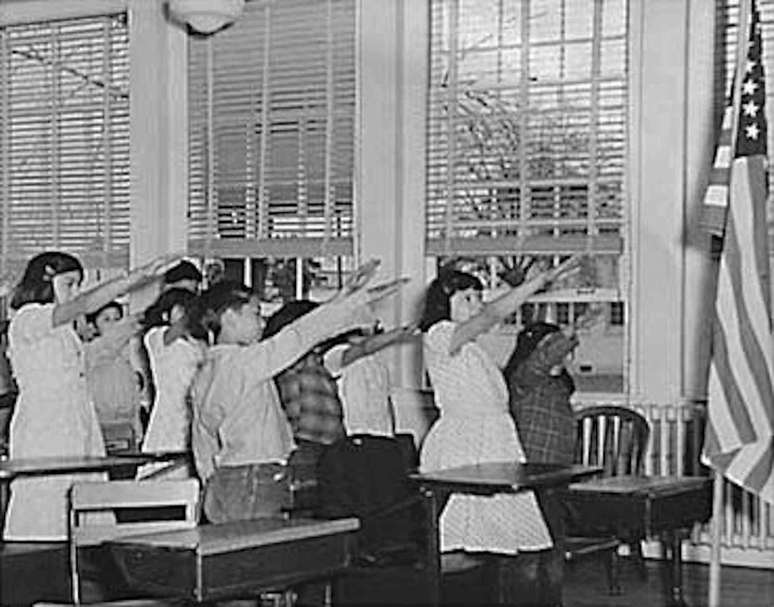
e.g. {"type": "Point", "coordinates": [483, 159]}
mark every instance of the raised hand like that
{"type": "Point", "coordinates": [154, 269]}
{"type": "Point", "coordinates": [361, 276]}
{"type": "Point", "coordinates": [566, 268]}
{"type": "Point", "coordinates": [385, 289]}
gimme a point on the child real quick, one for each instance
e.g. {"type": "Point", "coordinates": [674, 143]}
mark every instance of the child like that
{"type": "Point", "coordinates": [540, 389]}
{"type": "Point", "coordinates": [175, 351]}
{"type": "Point", "coordinates": [115, 386]}
{"type": "Point", "coordinates": [309, 396]}
{"type": "Point", "coordinates": [474, 424]}
{"type": "Point", "coordinates": [54, 416]}
{"type": "Point", "coordinates": [363, 379]}
{"type": "Point", "coordinates": [241, 437]}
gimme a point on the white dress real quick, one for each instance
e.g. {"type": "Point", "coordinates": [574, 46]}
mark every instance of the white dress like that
{"type": "Point", "coordinates": [474, 427]}
{"type": "Point", "coordinates": [173, 367]}
{"type": "Point", "coordinates": [52, 417]}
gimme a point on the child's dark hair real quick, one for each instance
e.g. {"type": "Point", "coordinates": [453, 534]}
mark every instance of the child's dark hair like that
{"type": "Point", "coordinates": [91, 318]}
{"type": "Point", "coordinates": [157, 314]}
{"type": "Point", "coordinates": [439, 293]}
{"type": "Point", "coordinates": [36, 285]}
{"type": "Point", "coordinates": [184, 270]}
{"type": "Point", "coordinates": [222, 296]}
{"type": "Point", "coordinates": [527, 340]}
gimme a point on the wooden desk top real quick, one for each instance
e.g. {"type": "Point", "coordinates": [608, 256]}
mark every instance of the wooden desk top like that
{"type": "Point", "coordinates": [648, 486]}
{"type": "Point", "coordinates": [230, 537]}
{"type": "Point", "coordinates": [505, 476]}
{"type": "Point", "coordinates": [41, 466]}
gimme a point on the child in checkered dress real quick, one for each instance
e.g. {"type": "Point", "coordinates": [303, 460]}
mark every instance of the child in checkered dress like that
{"type": "Point", "coordinates": [539, 389]}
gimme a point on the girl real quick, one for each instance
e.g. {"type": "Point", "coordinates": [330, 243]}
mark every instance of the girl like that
{"type": "Point", "coordinates": [474, 424]}
{"type": "Point", "coordinates": [175, 351]}
{"type": "Point", "coordinates": [54, 416]}
{"type": "Point", "coordinates": [115, 384]}
{"type": "Point", "coordinates": [540, 389]}
{"type": "Point", "coordinates": [241, 437]}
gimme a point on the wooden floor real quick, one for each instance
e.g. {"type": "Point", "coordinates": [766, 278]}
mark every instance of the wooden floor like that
{"type": "Point", "coordinates": [585, 586]}
{"type": "Point", "coordinates": [739, 587]}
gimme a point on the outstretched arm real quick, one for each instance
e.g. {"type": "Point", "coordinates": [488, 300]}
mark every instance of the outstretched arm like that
{"type": "Point", "coordinates": [497, 310]}
{"type": "Point", "coordinates": [98, 296]}
{"type": "Point", "coordinates": [374, 343]}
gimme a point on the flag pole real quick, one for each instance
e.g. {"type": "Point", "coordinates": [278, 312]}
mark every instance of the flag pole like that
{"type": "Point", "coordinates": [713, 599]}
{"type": "Point", "coordinates": [745, 18]}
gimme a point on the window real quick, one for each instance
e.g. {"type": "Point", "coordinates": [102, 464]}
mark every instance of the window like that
{"type": "Point", "coordinates": [64, 141]}
{"type": "Point", "coordinates": [272, 134]}
{"type": "Point", "coordinates": [526, 155]}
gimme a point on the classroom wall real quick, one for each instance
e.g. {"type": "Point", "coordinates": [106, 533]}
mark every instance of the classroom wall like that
{"type": "Point", "coordinates": [671, 141]}
{"type": "Point", "coordinates": [671, 135]}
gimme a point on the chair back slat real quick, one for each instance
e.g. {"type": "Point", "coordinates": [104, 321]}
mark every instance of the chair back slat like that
{"type": "Point", "coordinates": [614, 438]}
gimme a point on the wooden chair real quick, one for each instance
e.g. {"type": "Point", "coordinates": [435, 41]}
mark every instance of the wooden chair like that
{"type": "Point", "coordinates": [101, 511]}
{"type": "Point", "coordinates": [616, 439]}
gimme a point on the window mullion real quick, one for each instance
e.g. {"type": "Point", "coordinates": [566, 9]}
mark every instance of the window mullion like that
{"type": "Point", "coordinates": [451, 125]}
{"type": "Point", "coordinates": [525, 198]}
{"type": "Point", "coordinates": [55, 168]}
{"type": "Point", "coordinates": [263, 212]}
{"type": "Point", "coordinates": [210, 200]}
{"type": "Point", "coordinates": [596, 74]}
{"type": "Point", "coordinates": [107, 173]}
{"type": "Point", "coordinates": [329, 148]}
{"type": "Point", "coordinates": [5, 184]}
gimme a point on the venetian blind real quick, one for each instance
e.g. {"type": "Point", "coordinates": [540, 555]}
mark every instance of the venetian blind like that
{"type": "Point", "coordinates": [64, 141]}
{"type": "Point", "coordinates": [271, 134]}
{"type": "Point", "coordinates": [527, 126]}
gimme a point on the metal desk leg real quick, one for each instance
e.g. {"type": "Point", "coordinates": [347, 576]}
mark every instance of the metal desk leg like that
{"type": "Point", "coordinates": [676, 540]}
{"type": "Point", "coordinates": [433, 554]}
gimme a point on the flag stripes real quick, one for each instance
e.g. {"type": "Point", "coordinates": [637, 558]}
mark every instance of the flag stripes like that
{"type": "Point", "coordinates": [739, 441]}
{"type": "Point", "coordinates": [713, 217]}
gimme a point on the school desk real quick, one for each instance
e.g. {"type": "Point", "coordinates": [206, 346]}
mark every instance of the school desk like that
{"type": "Point", "coordinates": [11, 468]}
{"type": "Point", "coordinates": [484, 479]}
{"type": "Point", "coordinates": [645, 506]}
{"type": "Point", "coordinates": [235, 560]}
{"type": "Point", "coordinates": [52, 552]}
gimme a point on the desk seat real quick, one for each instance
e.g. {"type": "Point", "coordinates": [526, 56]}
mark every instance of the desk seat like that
{"type": "Point", "coordinates": [233, 560]}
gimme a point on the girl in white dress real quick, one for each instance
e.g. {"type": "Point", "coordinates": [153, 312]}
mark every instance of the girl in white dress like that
{"type": "Point", "coordinates": [475, 425]}
{"type": "Point", "coordinates": [175, 354]}
{"type": "Point", "coordinates": [54, 416]}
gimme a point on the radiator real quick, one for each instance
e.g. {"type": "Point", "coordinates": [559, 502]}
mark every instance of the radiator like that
{"type": "Point", "coordinates": [747, 531]}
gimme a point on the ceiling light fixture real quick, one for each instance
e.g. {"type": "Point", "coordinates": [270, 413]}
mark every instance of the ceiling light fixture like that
{"type": "Point", "coordinates": [206, 16]}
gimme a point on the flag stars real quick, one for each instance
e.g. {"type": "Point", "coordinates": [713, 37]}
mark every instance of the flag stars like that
{"type": "Point", "coordinates": [752, 131]}
{"type": "Point", "coordinates": [749, 87]}
{"type": "Point", "coordinates": [749, 66]}
{"type": "Point", "coordinates": [750, 109]}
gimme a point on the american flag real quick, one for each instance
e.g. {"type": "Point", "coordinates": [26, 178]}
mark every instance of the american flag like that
{"type": "Point", "coordinates": [739, 441]}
